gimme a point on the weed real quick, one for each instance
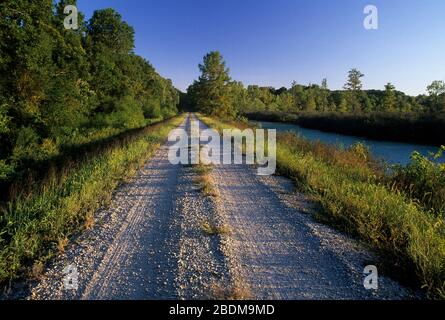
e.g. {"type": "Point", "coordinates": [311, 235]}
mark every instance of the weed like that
{"type": "Point", "coordinates": [210, 229]}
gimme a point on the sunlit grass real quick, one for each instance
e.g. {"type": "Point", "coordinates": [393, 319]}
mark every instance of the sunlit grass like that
{"type": "Point", "coordinates": [38, 223]}
{"type": "Point", "coordinates": [353, 195]}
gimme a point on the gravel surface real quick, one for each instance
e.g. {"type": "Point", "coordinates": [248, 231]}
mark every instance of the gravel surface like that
{"type": "Point", "coordinates": [150, 243]}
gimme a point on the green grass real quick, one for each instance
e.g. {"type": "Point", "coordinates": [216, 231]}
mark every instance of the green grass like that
{"type": "Point", "coordinates": [350, 189]}
{"type": "Point", "coordinates": [36, 223]}
{"type": "Point", "coordinates": [209, 229]}
{"type": "Point", "coordinates": [423, 179]}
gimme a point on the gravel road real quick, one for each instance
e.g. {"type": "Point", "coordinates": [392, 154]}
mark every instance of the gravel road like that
{"type": "Point", "coordinates": [150, 244]}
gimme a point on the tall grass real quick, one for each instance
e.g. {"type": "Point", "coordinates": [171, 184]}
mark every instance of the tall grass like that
{"type": "Point", "coordinates": [37, 222]}
{"type": "Point", "coordinates": [423, 179]}
{"type": "Point", "coordinates": [353, 195]}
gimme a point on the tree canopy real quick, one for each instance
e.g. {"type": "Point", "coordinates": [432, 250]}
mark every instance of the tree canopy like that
{"type": "Point", "coordinates": [215, 93]}
{"type": "Point", "coordinates": [60, 87]}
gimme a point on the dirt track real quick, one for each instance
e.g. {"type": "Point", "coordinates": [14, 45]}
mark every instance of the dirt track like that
{"type": "Point", "coordinates": [150, 244]}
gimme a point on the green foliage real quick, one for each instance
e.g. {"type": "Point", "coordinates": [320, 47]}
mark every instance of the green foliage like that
{"type": "Point", "coordinates": [424, 180]}
{"type": "Point", "coordinates": [348, 186]}
{"type": "Point", "coordinates": [354, 82]}
{"type": "Point", "coordinates": [353, 199]}
{"type": "Point", "coordinates": [213, 93]}
{"type": "Point", "coordinates": [423, 128]}
{"type": "Point", "coordinates": [437, 94]}
{"type": "Point", "coordinates": [59, 87]}
{"type": "Point", "coordinates": [107, 31]}
{"type": "Point", "coordinates": [4, 120]}
{"type": "Point", "coordinates": [231, 99]}
{"type": "Point", "coordinates": [45, 212]}
{"type": "Point", "coordinates": [390, 98]}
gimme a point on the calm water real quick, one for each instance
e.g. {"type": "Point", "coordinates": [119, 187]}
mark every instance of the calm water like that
{"type": "Point", "coordinates": [391, 152]}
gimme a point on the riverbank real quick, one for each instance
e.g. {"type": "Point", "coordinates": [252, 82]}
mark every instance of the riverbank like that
{"type": "Point", "coordinates": [355, 196]}
{"type": "Point", "coordinates": [399, 127]}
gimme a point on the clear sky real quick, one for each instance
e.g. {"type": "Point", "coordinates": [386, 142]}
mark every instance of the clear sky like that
{"type": "Point", "coordinates": [273, 42]}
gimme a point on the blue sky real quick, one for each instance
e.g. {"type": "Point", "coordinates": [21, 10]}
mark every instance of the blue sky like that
{"type": "Point", "coordinates": [273, 42]}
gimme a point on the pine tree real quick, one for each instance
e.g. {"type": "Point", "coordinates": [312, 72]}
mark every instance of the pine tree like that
{"type": "Point", "coordinates": [211, 91]}
{"type": "Point", "coordinates": [354, 86]}
{"type": "Point", "coordinates": [390, 100]}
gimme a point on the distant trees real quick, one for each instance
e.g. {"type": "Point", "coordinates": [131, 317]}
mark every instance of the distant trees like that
{"type": "Point", "coordinates": [390, 100]}
{"type": "Point", "coordinates": [311, 98]}
{"type": "Point", "coordinates": [59, 86]}
{"type": "Point", "coordinates": [323, 103]}
{"type": "Point", "coordinates": [436, 90]}
{"type": "Point", "coordinates": [353, 89]}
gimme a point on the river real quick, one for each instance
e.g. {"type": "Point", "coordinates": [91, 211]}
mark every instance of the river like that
{"type": "Point", "coordinates": [391, 152]}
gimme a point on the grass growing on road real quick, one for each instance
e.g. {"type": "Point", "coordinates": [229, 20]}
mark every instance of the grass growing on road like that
{"type": "Point", "coordinates": [204, 178]}
{"type": "Point", "coordinates": [35, 225]}
{"type": "Point", "coordinates": [348, 186]}
{"type": "Point", "coordinates": [210, 229]}
{"type": "Point", "coordinates": [236, 292]}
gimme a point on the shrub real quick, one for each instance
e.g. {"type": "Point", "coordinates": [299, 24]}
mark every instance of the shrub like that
{"type": "Point", "coordinates": [423, 179]}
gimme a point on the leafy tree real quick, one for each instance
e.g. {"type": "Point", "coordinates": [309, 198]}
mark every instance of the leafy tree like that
{"type": "Point", "coordinates": [59, 86]}
{"type": "Point", "coordinates": [323, 103]}
{"type": "Point", "coordinates": [354, 86]}
{"type": "Point", "coordinates": [343, 106]}
{"type": "Point", "coordinates": [107, 31]}
{"type": "Point", "coordinates": [436, 90]}
{"type": "Point", "coordinates": [211, 91]}
{"type": "Point", "coordinates": [354, 82]}
{"type": "Point", "coordinates": [310, 105]}
{"type": "Point", "coordinates": [239, 97]}
{"type": "Point", "coordinates": [286, 101]}
{"type": "Point", "coordinates": [298, 95]}
{"type": "Point", "coordinates": [390, 99]}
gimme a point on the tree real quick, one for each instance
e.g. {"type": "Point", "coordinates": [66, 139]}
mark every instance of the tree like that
{"type": "Point", "coordinates": [354, 82]}
{"type": "Point", "coordinates": [354, 87]}
{"type": "Point", "coordinates": [343, 105]}
{"type": "Point", "coordinates": [390, 99]}
{"type": "Point", "coordinates": [211, 91]}
{"type": "Point", "coordinates": [311, 104]}
{"type": "Point", "coordinates": [298, 96]}
{"type": "Point", "coordinates": [57, 86]}
{"type": "Point", "coordinates": [436, 90]}
{"type": "Point", "coordinates": [238, 96]}
{"type": "Point", "coordinates": [286, 101]}
{"type": "Point", "coordinates": [323, 103]}
{"type": "Point", "coordinates": [106, 30]}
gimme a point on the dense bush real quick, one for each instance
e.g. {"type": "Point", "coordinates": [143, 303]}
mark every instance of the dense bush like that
{"type": "Point", "coordinates": [410, 127]}
{"type": "Point", "coordinates": [62, 87]}
{"type": "Point", "coordinates": [423, 179]}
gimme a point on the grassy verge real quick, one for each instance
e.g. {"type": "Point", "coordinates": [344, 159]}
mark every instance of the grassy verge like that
{"type": "Point", "coordinates": [33, 166]}
{"type": "Point", "coordinates": [37, 223]}
{"type": "Point", "coordinates": [348, 186]}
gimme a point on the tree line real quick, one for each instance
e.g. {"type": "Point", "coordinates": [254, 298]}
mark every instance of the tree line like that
{"type": "Point", "coordinates": [63, 87]}
{"type": "Point", "coordinates": [216, 93]}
